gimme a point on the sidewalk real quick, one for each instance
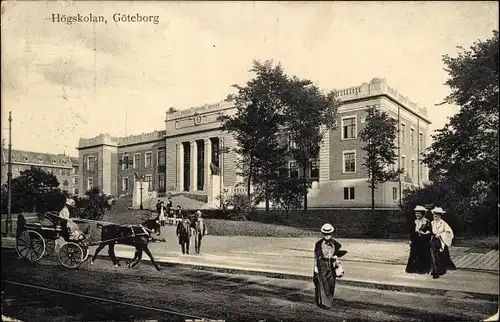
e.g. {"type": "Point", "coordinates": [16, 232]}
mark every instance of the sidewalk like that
{"type": "Point", "coordinates": [368, 263]}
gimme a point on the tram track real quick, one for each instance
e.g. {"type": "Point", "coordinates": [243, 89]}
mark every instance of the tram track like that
{"type": "Point", "coordinates": [185, 316]}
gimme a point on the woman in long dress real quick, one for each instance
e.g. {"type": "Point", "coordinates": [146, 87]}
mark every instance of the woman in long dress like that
{"type": "Point", "coordinates": [419, 260]}
{"type": "Point", "coordinates": [162, 213]}
{"type": "Point", "coordinates": [325, 263]}
{"type": "Point", "coordinates": [442, 235]}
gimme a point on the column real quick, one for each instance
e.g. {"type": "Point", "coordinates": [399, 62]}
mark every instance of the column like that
{"type": "Point", "coordinates": [180, 167]}
{"type": "Point", "coordinates": [208, 159]}
{"type": "Point", "coordinates": [194, 166]}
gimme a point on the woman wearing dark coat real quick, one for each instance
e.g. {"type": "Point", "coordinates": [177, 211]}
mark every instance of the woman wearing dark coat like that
{"type": "Point", "coordinates": [442, 236]}
{"type": "Point", "coordinates": [419, 260]}
{"type": "Point", "coordinates": [325, 263]}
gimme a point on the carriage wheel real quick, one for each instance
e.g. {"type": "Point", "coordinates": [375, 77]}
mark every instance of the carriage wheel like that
{"type": "Point", "coordinates": [50, 247]}
{"type": "Point", "coordinates": [86, 252]}
{"type": "Point", "coordinates": [30, 245]}
{"type": "Point", "coordinates": [71, 255]}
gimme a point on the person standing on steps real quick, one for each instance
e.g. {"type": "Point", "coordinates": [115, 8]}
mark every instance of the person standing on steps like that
{"type": "Point", "coordinates": [419, 260]}
{"type": "Point", "coordinates": [183, 232]}
{"type": "Point", "coordinates": [200, 230]}
{"type": "Point", "coordinates": [170, 205]}
{"type": "Point", "coordinates": [162, 214]}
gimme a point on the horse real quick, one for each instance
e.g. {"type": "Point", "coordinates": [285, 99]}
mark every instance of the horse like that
{"type": "Point", "coordinates": [137, 236]}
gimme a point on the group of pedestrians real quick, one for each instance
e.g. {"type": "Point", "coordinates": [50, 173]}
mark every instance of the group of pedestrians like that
{"type": "Point", "coordinates": [186, 227]}
{"type": "Point", "coordinates": [167, 211]}
{"type": "Point", "coordinates": [429, 245]}
{"type": "Point", "coordinates": [429, 253]}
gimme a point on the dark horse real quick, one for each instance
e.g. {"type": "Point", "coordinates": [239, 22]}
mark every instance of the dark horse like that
{"type": "Point", "coordinates": [137, 236]}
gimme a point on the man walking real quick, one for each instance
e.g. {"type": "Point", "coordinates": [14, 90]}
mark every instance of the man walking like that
{"type": "Point", "coordinates": [184, 233]}
{"type": "Point", "coordinates": [200, 230]}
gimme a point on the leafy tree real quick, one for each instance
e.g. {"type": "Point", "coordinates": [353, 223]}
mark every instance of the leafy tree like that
{"type": "Point", "coordinates": [464, 153]}
{"type": "Point", "coordinates": [287, 194]}
{"type": "Point", "coordinates": [308, 114]}
{"type": "Point", "coordinates": [379, 135]}
{"type": "Point", "coordinates": [255, 126]}
{"type": "Point", "coordinates": [94, 205]}
{"type": "Point", "coordinates": [33, 190]}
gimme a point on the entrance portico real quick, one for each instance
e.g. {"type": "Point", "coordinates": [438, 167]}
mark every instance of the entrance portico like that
{"type": "Point", "coordinates": [194, 143]}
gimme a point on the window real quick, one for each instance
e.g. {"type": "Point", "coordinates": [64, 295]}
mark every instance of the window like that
{"type": "Point", "coordinates": [149, 180]}
{"type": "Point", "coordinates": [412, 138]}
{"type": "Point", "coordinates": [90, 163]}
{"type": "Point", "coordinates": [125, 184]}
{"type": "Point", "coordinates": [314, 169]}
{"type": "Point", "coordinates": [348, 193]}
{"type": "Point", "coordinates": [90, 183]}
{"type": "Point", "coordinates": [39, 159]}
{"type": "Point", "coordinates": [137, 160]}
{"type": "Point", "coordinates": [125, 162]}
{"type": "Point", "coordinates": [421, 144]}
{"type": "Point", "coordinates": [76, 181]}
{"type": "Point", "coordinates": [421, 169]}
{"type": "Point", "coordinates": [412, 168]}
{"type": "Point", "coordinates": [394, 193]}
{"type": "Point", "coordinates": [293, 169]}
{"type": "Point", "coordinates": [349, 161]}
{"type": "Point", "coordinates": [291, 144]}
{"type": "Point", "coordinates": [348, 128]}
{"type": "Point", "coordinates": [65, 183]}
{"type": "Point", "coordinates": [161, 181]}
{"type": "Point", "coordinates": [403, 164]}
{"type": "Point", "coordinates": [161, 157]}
{"type": "Point", "coordinates": [148, 159]}
{"type": "Point", "coordinates": [403, 133]}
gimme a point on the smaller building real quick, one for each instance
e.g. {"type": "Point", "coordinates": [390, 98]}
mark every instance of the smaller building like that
{"type": "Point", "coordinates": [60, 165]}
{"type": "Point", "coordinates": [114, 164]}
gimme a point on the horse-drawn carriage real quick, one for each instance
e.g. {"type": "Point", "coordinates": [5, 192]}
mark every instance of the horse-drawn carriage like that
{"type": "Point", "coordinates": [35, 240]}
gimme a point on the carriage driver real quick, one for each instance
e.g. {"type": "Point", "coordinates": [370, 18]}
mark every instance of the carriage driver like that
{"type": "Point", "coordinates": [74, 231]}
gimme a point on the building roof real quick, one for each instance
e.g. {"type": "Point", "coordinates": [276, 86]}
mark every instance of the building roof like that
{"type": "Point", "coordinates": [74, 161]}
{"type": "Point", "coordinates": [20, 156]}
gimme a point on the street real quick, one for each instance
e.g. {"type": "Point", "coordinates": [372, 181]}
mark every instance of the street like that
{"type": "Point", "coordinates": [205, 294]}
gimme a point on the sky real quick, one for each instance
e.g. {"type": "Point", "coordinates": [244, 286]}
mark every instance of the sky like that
{"type": "Point", "coordinates": [67, 81]}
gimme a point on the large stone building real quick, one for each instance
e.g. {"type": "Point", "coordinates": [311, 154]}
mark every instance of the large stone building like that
{"type": "Point", "coordinates": [186, 158]}
{"type": "Point", "coordinates": [64, 167]}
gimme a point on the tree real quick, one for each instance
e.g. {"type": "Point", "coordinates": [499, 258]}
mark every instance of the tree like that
{"type": "Point", "coordinates": [464, 153]}
{"type": "Point", "coordinates": [255, 126]}
{"type": "Point", "coordinates": [308, 115]}
{"type": "Point", "coordinates": [379, 135]}
{"type": "Point", "coordinates": [93, 205]}
{"type": "Point", "coordinates": [286, 194]}
{"type": "Point", "coordinates": [34, 190]}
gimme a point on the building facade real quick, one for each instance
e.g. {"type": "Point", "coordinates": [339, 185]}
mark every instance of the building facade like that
{"type": "Point", "coordinates": [60, 165]}
{"type": "Point", "coordinates": [114, 164]}
{"type": "Point", "coordinates": [194, 156]}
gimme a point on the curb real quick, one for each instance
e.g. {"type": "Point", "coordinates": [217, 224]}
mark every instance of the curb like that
{"type": "Point", "coordinates": [342, 281]}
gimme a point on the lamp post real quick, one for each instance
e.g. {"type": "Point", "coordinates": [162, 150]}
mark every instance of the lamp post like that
{"type": "Point", "coordinates": [8, 222]}
{"type": "Point", "coordinates": [141, 178]}
{"type": "Point", "coordinates": [125, 161]}
{"type": "Point", "coordinates": [141, 207]}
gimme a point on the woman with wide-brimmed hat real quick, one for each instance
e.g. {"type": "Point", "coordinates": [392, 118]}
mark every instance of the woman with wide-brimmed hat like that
{"type": "Point", "coordinates": [442, 236]}
{"type": "Point", "coordinates": [326, 267]}
{"type": "Point", "coordinates": [419, 260]}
